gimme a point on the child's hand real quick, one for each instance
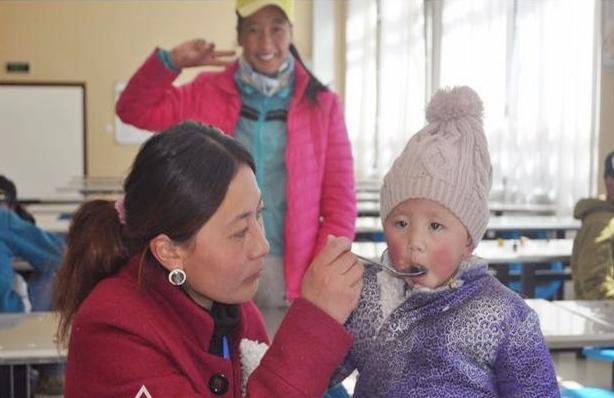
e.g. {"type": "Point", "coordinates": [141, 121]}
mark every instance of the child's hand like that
{"type": "Point", "coordinates": [199, 52]}
{"type": "Point", "coordinates": [333, 281]}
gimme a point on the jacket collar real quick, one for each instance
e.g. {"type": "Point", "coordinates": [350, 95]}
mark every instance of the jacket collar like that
{"type": "Point", "coordinates": [152, 279]}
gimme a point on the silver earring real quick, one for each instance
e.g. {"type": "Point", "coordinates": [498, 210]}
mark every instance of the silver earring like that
{"type": "Point", "coordinates": [177, 277]}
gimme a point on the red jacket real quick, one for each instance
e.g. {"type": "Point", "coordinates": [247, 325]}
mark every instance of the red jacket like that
{"type": "Point", "coordinates": [129, 333]}
{"type": "Point", "coordinates": [320, 190]}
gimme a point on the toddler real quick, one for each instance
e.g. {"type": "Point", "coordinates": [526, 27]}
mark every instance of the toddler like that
{"type": "Point", "coordinates": [455, 330]}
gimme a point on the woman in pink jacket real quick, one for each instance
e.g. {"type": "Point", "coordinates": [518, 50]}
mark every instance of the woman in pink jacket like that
{"type": "Point", "coordinates": [292, 125]}
{"type": "Point", "coordinates": [156, 288]}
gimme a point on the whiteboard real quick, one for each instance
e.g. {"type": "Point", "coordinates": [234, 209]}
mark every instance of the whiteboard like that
{"type": "Point", "coordinates": [42, 136]}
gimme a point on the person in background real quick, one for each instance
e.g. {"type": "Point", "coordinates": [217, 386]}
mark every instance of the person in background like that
{"type": "Point", "coordinates": [21, 239]}
{"type": "Point", "coordinates": [156, 288]}
{"type": "Point", "coordinates": [592, 258]}
{"type": "Point", "coordinates": [290, 122]}
{"type": "Point", "coordinates": [451, 329]}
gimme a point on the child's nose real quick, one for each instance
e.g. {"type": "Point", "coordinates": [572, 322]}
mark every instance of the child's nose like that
{"type": "Point", "coordinates": [415, 242]}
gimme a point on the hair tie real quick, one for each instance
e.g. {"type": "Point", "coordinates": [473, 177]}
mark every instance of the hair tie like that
{"type": "Point", "coordinates": [121, 210]}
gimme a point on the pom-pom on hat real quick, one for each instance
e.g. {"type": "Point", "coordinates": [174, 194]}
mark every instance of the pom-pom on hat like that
{"type": "Point", "coordinates": [245, 8]}
{"type": "Point", "coordinates": [447, 162]}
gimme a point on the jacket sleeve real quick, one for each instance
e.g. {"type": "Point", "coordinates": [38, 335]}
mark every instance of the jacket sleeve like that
{"type": "Point", "coordinates": [338, 200]}
{"type": "Point", "coordinates": [523, 366]}
{"type": "Point", "coordinates": [595, 262]}
{"type": "Point", "coordinates": [150, 101]}
{"type": "Point", "coordinates": [41, 249]}
{"type": "Point", "coordinates": [307, 348]}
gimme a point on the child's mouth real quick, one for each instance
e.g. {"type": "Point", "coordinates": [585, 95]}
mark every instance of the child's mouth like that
{"type": "Point", "coordinates": [417, 269]}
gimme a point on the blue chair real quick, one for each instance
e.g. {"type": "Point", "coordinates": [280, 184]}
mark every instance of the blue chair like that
{"type": "Point", "coordinates": [586, 392]}
{"type": "Point", "coordinates": [601, 354]}
{"type": "Point", "coordinates": [547, 290]}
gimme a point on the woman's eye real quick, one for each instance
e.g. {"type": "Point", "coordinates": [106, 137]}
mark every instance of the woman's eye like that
{"type": "Point", "coordinates": [241, 234]}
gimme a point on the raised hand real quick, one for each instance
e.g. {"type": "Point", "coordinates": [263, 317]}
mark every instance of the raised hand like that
{"type": "Point", "coordinates": [199, 52]}
{"type": "Point", "coordinates": [333, 280]}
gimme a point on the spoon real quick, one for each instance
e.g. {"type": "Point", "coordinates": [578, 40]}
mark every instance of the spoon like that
{"type": "Point", "coordinates": [399, 274]}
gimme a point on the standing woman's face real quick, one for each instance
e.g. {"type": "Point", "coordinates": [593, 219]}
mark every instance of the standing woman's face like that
{"type": "Point", "coordinates": [224, 261]}
{"type": "Point", "coordinates": [266, 36]}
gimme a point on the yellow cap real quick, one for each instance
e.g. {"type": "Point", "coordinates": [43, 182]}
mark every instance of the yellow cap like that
{"type": "Point", "coordinates": [245, 8]}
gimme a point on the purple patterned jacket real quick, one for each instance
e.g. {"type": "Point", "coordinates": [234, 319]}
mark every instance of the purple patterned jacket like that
{"type": "Point", "coordinates": [470, 338]}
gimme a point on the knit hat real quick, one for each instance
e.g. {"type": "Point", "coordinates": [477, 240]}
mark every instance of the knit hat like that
{"type": "Point", "coordinates": [245, 8]}
{"type": "Point", "coordinates": [447, 162]}
{"type": "Point", "coordinates": [609, 165]}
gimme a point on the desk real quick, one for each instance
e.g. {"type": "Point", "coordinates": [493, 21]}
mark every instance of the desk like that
{"type": "Point", "coordinates": [557, 225]}
{"type": "Point", "coordinates": [54, 217]}
{"type": "Point", "coordinates": [532, 254]}
{"type": "Point", "coordinates": [25, 340]}
{"type": "Point", "coordinates": [370, 229]}
{"type": "Point", "coordinates": [499, 208]}
{"type": "Point", "coordinates": [564, 329]}
{"type": "Point", "coordinates": [95, 186]}
{"type": "Point", "coordinates": [601, 311]}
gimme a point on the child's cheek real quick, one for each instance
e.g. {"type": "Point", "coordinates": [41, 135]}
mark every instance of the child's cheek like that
{"type": "Point", "coordinates": [445, 260]}
{"type": "Point", "coordinates": [395, 251]}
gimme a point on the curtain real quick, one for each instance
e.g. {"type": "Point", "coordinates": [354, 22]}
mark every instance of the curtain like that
{"type": "Point", "coordinates": [385, 80]}
{"type": "Point", "coordinates": [531, 61]}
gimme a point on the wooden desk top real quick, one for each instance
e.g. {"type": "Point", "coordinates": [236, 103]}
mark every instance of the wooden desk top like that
{"type": "Point", "coordinates": [29, 339]}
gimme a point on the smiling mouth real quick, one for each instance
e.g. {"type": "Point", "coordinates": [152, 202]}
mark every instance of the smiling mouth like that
{"type": "Point", "coordinates": [267, 57]}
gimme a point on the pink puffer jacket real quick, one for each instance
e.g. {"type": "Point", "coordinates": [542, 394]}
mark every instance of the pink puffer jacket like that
{"type": "Point", "coordinates": [320, 190]}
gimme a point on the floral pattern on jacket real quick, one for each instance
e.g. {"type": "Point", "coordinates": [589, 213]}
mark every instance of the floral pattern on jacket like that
{"type": "Point", "coordinates": [471, 338]}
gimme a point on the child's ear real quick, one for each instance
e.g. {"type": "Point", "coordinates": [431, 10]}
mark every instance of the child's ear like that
{"type": "Point", "coordinates": [469, 247]}
{"type": "Point", "coordinates": [166, 252]}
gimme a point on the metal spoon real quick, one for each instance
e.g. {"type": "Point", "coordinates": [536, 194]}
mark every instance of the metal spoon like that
{"type": "Point", "coordinates": [398, 274]}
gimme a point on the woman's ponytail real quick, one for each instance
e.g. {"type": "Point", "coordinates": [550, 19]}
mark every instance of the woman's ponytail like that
{"type": "Point", "coordinates": [95, 250]}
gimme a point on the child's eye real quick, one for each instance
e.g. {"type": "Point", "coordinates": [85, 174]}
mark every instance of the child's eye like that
{"type": "Point", "coordinates": [400, 223]}
{"type": "Point", "coordinates": [435, 226]}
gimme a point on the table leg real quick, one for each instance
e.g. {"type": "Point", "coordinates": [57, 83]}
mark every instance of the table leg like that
{"type": "Point", "coordinates": [527, 277]}
{"type": "Point", "coordinates": [15, 381]}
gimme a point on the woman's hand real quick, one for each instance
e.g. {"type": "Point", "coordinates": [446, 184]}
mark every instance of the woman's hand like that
{"type": "Point", "coordinates": [333, 280]}
{"type": "Point", "coordinates": [199, 52]}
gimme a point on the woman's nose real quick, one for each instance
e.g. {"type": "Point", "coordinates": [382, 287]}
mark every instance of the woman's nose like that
{"type": "Point", "coordinates": [260, 245]}
{"type": "Point", "coordinates": [266, 39]}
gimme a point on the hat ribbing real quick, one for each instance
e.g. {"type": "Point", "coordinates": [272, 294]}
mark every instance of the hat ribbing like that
{"type": "Point", "coordinates": [447, 162]}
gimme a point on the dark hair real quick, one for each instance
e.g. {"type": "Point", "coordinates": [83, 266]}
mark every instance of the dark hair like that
{"type": "Point", "coordinates": [177, 181]}
{"type": "Point", "coordinates": [8, 197]}
{"type": "Point", "coordinates": [313, 85]}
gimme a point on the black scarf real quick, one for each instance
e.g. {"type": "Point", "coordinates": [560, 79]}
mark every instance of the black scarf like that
{"type": "Point", "coordinates": [225, 320]}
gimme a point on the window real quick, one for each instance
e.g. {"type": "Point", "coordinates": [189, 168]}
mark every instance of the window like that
{"type": "Point", "coordinates": [531, 61]}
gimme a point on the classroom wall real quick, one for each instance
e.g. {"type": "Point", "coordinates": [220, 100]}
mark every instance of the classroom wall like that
{"type": "Point", "coordinates": [102, 42]}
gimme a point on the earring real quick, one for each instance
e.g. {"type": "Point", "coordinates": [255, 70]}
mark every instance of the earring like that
{"type": "Point", "coordinates": [177, 277]}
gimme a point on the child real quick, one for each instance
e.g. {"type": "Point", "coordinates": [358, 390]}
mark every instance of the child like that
{"type": "Point", "coordinates": [454, 331]}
